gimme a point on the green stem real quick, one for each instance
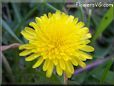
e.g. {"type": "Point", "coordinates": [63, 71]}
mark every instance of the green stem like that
{"type": "Point", "coordinates": [65, 79]}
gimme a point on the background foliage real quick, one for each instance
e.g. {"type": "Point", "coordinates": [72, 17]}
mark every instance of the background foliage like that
{"type": "Point", "coordinates": [15, 16]}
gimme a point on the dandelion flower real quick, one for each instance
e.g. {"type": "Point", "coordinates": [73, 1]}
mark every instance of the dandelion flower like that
{"type": "Point", "coordinates": [57, 41]}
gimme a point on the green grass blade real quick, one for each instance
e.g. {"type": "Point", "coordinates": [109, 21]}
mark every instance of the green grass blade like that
{"type": "Point", "coordinates": [31, 12]}
{"type": "Point", "coordinates": [81, 11]}
{"type": "Point", "coordinates": [89, 17]}
{"type": "Point", "coordinates": [106, 20]}
{"type": "Point", "coordinates": [16, 11]}
{"type": "Point", "coordinates": [9, 30]}
{"type": "Point", "coordinates": [105, 73]}
{"type": "Point", "coordinates": [7, 68]}
{"type": "Point", "coordinates": [50, 6]}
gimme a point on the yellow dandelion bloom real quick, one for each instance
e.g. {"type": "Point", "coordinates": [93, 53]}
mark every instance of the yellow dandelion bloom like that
{"type": "Point", "coordinates": [57, 41]}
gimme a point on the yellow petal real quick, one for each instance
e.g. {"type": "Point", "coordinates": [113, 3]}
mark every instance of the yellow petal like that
{"type": "Point", "coordinates": [32, 57]}
{"type": "Point", "coordinates": [46, 64]}
{"type": "Point", "coordinates": [85, 30]}
{"type": "Point", "coordinates": [70, 19]}
{"type": "Point", "coordinates": [81, 63]}
{"type": "Point", "coordinates": [80, 25]}
{"type": "Point", "coordinates": [74, 62]}
{"type": "Point", "coordinates": [82, 58]}
{"type": "Point", "coordinates": [37, 19]}
{"type": "Point", "coordinates": [79, 56]}
{"type": "Point", "coordinates": [44, 18]}
{"type": "Point", "coordinates": [38, 63]}
{"type": "Point", "coordinates": [84, 55]}
{"type": "Point", "coordinates": [34, 25]}
{"type": "Point", "coordinates": [85, 42]}
{"type": "Point", "coordinates": [87, 48]}
{"type": "Point", "coordinates": [25, 52]}
{"type": "Point", "coordinates": [68, 74]}
{"type": "Point", "coordinates": [69, 67]}
{"type": "Point", "coordinates": [27, 35]}
{"type": "Point", "coordinates": [65, 57]}
{"type": "Point", "coordinates": [25, 46]}
{"type": "Point", "coordinates": [59, 70]}
{"type": "Point", "coordinates": [88, 35]}
{"type": "Point", "coordinates": [49, 15]}
{"type": "Point", "coordinates": [49, 70]}
{"type": "Point", "coordinates": [62, 64]}
{"type": "Point", "coordinates": [30, 31]}
{"type": "Point", "coordinates": [75, 20]}
{"type": "Point", "coordinates": [55, 61]}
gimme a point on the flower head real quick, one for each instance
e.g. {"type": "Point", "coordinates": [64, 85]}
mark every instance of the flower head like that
{"type": "Point", "coordinates": [57, 41]}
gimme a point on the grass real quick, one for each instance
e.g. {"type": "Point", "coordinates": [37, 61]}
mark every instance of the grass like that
{"type": "Point", "coordinates": [104, 23]}
{"type": "Point", "coordinates": [106, 70]}
{"type": "Point", "coordinates": [9, 30]}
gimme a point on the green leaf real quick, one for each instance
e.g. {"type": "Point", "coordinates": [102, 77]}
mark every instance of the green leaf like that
{"type": "Point", "coordinates": [106, 20]}
{"type": "Point", "coordinates": [9, 30]}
